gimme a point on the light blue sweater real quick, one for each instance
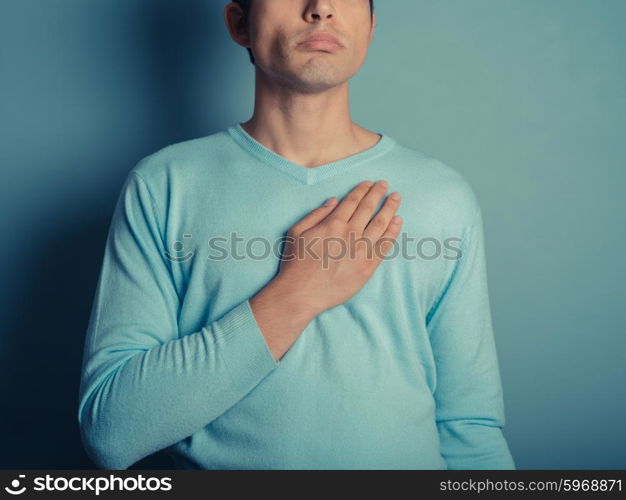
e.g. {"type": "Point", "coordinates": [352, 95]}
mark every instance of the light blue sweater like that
{"type": "Point", "coordinates": [403, 375]}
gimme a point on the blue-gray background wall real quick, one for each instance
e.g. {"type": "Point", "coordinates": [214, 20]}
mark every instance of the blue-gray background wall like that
{"type": "Point", "coordinates": [527, 98]}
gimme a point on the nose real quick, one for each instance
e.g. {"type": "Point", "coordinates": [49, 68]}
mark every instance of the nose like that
{"type": "Point", "coordinates": [319, 10]}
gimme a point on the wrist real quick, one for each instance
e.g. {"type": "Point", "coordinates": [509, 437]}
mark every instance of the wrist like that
{"type": "Point", "coordinates": [286, 301]}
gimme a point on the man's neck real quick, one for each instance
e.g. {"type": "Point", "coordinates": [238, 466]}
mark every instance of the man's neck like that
{"type": "Point", "coordinates": [309, 129]}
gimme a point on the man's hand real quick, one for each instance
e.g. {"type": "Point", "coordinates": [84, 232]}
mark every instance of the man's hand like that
{"type": "Point", "coordinates": [328, 256]}
{"type": "Point", "coordinates": [335, 249]}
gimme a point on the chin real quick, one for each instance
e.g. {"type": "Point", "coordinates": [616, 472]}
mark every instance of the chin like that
{"type": "Point", "coordinates": [318, 72]}
{"type": "Point", "coordinates": [314, 75]}
{"type": "Point", "coordinates": [318, 83]}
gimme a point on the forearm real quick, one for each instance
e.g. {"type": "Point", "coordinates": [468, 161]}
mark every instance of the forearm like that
{"type": "Point", "coordinates": [162, 395]}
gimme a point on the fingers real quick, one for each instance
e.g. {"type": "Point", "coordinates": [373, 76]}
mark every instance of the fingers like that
{"type": "Point", "coordinates": [387, 240]}
{"type": "Point", "coordinates": [378, 225]}
{"type": "Point", "coordinates": [314, 217]}
{"type": "Point", "coordinates": [346, 208]}
{"type": "Point", "coordinates": [367, 206]}
{"type": "Point", "coordinates": [357, 208]}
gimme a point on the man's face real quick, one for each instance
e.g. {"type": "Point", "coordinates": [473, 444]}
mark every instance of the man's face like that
{"type": "Point", "coordinates": [278, 28]}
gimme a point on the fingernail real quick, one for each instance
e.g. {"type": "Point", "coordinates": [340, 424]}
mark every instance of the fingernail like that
{"type": "Point", "coordinates": [369, 183]}
{"type": "Point", "coordinates": [330, 201]}
{"type": "Point", "coordinates": [395, 196]}
{"type": "Point", "coordinates": [383, 184]}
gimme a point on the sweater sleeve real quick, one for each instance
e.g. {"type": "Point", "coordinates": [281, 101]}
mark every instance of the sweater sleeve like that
{"type": "Point", "coordinates": [468, 394]}
{"type": "Point", "coordinates": [143, 388]}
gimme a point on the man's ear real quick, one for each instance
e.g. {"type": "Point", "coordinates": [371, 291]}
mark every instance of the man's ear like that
{"type": "Point", "coordinates": [236, 24]}
{"type": "Point", "coordinates": [373, 26]}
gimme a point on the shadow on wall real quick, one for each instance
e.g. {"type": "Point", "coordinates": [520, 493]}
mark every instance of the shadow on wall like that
{"type": "Point", "coordinates": [42, 351]}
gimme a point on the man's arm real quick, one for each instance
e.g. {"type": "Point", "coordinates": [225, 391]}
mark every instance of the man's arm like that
{"type": "Point", "coordinates": [469, 401]}
{"type": "Point", "coordinates": [143, 388]}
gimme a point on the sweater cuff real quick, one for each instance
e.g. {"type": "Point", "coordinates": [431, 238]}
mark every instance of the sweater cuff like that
{"type": "Point", "coordinates": [244, 349]}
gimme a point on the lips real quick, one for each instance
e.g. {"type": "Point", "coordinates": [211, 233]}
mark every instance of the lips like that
{"type": "Point", "coordinates": [321, 41]}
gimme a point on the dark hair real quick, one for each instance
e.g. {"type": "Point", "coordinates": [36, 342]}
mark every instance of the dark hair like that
{"type": "Point", "coordinates": [245, 6]}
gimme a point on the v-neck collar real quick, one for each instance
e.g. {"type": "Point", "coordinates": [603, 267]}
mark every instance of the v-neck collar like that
{"type": "Point", "coordinates": [307, 175]}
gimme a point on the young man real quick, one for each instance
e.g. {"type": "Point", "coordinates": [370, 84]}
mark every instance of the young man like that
{"type": "Point", "coordinates": [352, 350]}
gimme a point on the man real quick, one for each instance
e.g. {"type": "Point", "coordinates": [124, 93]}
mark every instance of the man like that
{"type": "Point", "coordinates": [344, 351]}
